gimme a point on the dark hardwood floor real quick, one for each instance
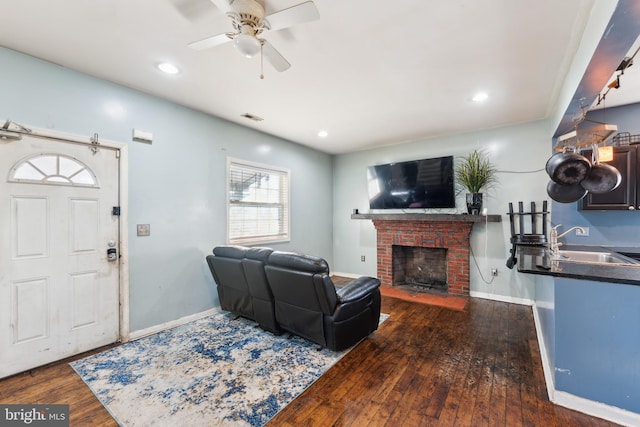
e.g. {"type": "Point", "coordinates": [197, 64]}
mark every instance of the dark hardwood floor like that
{"type": "Point", "coordinates": [425, 366]}
{"type": "Point", "coordinates": [434, 366]}
{"type": "Point", "coordinates": [58, 384]}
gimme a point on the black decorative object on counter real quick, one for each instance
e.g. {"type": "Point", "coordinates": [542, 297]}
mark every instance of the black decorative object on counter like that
{"type": "Point", "coordinates": [519, 234]}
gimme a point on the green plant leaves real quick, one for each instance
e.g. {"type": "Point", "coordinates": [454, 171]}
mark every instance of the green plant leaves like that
{"type": "Point", "coordinates": [475, 172]}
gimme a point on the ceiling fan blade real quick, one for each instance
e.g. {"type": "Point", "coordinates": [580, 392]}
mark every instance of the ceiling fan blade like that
{"type": "Point", "coordinates": [209, 42]}
{"type": "Point", "coordinates": [274, 57]}
{"type": "Point", "coordinates": [303, 12]}
{"type": "Point", "coordinates": [223, 5]}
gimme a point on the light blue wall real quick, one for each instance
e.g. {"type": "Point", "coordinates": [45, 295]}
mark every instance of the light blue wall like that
{"type": "Point", "coordinates": [519, 152]}
{"type": "Point", "coordinates": [177, 184]}
{"type": "Point", "coordinates": [598, 342]}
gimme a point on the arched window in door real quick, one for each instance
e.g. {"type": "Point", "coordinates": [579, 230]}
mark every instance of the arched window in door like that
{"type": "Point", "coordinates": [53, 169]}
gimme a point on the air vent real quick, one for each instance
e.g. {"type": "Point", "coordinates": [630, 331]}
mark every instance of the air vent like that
{"type": "Point", "coordinates": [252, 117]}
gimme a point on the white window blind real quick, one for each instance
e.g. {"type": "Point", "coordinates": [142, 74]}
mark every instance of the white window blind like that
{"type": "Point", "coordinates": [258, 203]}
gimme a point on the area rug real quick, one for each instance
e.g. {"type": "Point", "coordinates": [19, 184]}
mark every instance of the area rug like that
{"type": "Point", "coordinates": [215, 371]}
{"type": "Point", "coordinates": [448, 301]}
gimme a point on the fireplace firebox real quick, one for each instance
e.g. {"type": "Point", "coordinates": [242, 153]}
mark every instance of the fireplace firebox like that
{"type": "Point", "coordinates": [421, 269]}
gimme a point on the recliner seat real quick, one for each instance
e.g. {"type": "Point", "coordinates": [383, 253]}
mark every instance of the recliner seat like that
{"type": "Point", "coordinates": [308, 304]}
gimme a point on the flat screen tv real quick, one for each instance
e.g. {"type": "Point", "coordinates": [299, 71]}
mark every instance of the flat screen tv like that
{"type": "Point", "coordinates": [415, 184]}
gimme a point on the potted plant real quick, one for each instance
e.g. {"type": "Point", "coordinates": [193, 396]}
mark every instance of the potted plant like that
{"type": "Point", "coordinates": [474, 173]}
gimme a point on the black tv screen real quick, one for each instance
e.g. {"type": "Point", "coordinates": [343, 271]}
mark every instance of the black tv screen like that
{"type": "Point", "coordinates": [415, 184]}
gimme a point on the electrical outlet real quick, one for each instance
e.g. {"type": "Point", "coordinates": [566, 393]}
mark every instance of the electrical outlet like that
{"type": "Point", "coordinates": [494, 272]}
{"type": "Point", "coordinates": [362, 258]}
{"type": "Point", "coordinates": [580, 233]}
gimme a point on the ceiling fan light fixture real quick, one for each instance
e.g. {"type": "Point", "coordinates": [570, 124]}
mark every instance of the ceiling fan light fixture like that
{"type": "Point", "coordinates": [248, 45]}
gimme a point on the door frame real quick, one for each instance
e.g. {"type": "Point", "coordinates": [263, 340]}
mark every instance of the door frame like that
{"type": "Point", "coordinates": [123, 184]}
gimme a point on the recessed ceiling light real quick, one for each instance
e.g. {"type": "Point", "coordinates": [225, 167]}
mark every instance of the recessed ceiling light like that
{"type": "Point", "coordinates": [168, 68]}
{"type": "Point", "coordinates": [323, 134]}
{"type": "Point", "coordinates": [480, 97]}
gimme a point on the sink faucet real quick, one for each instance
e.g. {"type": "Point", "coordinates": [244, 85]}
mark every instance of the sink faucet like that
{"type": "Point", "coordinates": [554, 245]}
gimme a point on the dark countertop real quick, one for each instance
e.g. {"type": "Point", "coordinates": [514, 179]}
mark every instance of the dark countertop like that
{"type": "Point", "coordinates": [536, 260]}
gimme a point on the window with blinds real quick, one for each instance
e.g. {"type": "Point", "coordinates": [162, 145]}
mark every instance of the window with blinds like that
{"type": "Point", "coordinates": [258, 203]}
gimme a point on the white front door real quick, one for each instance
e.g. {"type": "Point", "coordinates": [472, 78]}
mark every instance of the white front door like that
{"type": "Point", "coordinates": [59, 292]}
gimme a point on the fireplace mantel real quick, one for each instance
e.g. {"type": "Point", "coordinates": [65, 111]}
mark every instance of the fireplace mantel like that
{"type": "Point", "coordinates": [427, 217]}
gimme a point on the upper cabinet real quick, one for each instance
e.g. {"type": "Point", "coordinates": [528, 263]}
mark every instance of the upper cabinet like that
{"type": "Point", "coordinates": [627, 195]}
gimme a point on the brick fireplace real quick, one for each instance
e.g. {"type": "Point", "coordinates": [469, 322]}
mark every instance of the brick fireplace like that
{"type": "Point", "coordinates": [450, 232]}
{"type": "Point", "coordinates": [453, 236]}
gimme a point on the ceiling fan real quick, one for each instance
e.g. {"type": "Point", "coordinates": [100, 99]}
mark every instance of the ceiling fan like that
{"type": "Point", "coordinates": [249, 22]}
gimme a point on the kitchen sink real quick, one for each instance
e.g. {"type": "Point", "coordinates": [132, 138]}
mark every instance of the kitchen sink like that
{"type": "Point", "coordinates": [596, 257]}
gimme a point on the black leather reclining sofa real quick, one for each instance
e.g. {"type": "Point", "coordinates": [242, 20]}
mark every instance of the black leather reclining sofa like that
{"type": "Point", "coordinates": [294, 292]}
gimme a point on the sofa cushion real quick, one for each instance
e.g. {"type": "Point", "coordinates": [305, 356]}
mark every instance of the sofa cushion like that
{"type": "Point", "coordinates": [259, 254]}
{"type": "Point", "coordinates": [230, 251]}
{"type": "Point", "coordinates": [294, 261]}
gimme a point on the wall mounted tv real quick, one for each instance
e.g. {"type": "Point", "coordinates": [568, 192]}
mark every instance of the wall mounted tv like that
{"type": "Point", "coordinates": [415, 184]}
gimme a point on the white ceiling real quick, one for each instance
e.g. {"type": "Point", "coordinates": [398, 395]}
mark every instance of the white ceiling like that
{"type": "Point", "coordinates": [369, 73]}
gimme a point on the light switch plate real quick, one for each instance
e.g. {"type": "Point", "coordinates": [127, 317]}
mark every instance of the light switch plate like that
{"type": "Point", "coordinates": [144, 229]}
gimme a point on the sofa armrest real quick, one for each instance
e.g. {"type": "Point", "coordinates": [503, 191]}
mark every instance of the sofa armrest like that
{"type": "Point", "coordinates": [357, 288]}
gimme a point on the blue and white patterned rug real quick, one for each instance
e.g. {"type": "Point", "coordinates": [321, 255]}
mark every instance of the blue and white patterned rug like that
{"type": "Point", "coordinates": [214, 371]}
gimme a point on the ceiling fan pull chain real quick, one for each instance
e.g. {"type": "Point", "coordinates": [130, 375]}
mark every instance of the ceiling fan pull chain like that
{"type": "Point", "coordinates": [261, 62]}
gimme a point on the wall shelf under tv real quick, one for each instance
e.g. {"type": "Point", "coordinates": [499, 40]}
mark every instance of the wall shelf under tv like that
{"type": "Point", "coordinates": [427, 217]}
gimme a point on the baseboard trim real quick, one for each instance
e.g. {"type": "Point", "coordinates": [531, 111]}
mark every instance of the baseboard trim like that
{"type": "Point", "coordinates": [596, 409]}
{"type": "Point", "coordinates": [348, 275]}
{"type": "Point", "coordinates": [501, 298]}
{"type": "Point", "coordinates": [141, 333]}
